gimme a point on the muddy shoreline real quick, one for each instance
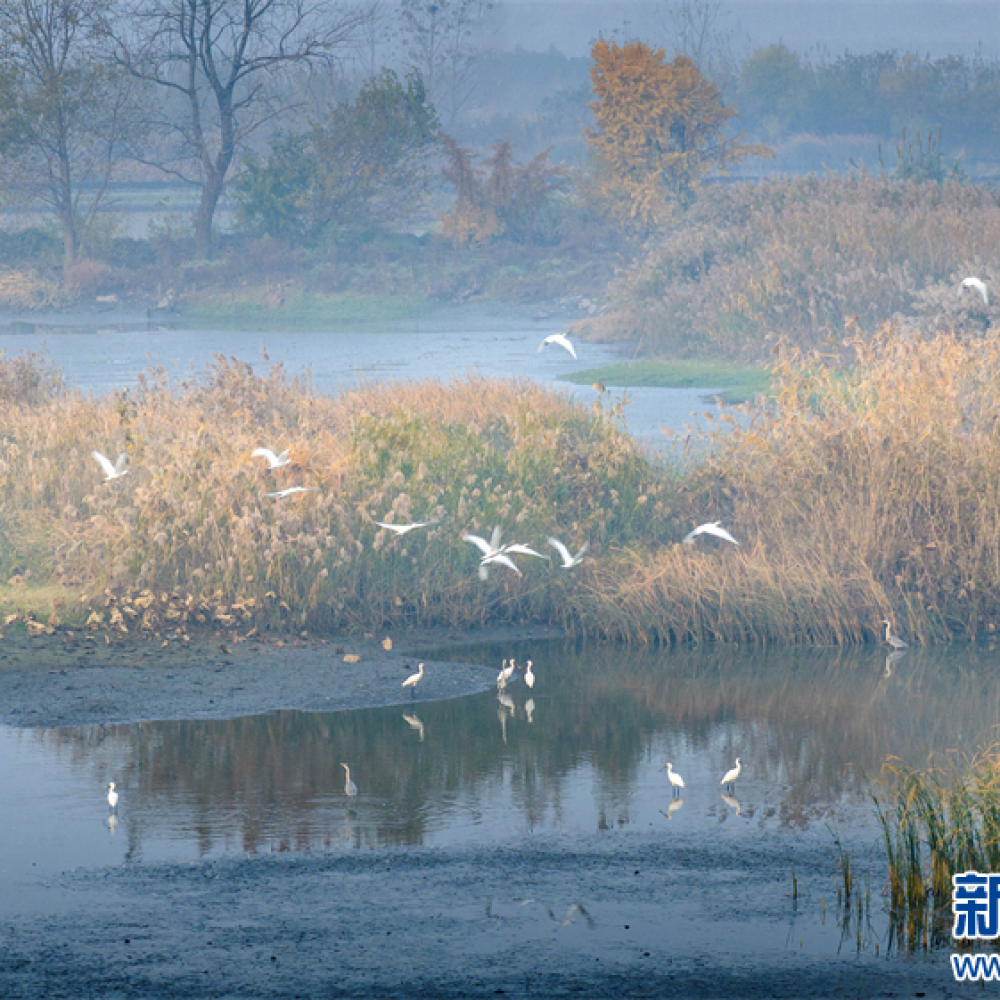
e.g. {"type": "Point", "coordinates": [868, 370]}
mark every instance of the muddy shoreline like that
{"type": "Point", "coordinates": [56, 681]}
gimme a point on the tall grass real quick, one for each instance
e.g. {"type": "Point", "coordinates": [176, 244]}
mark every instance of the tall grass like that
{"type": "Point", "coordinates": [793, 258]}
{"type": "Point", "coordinates": [937, 822]}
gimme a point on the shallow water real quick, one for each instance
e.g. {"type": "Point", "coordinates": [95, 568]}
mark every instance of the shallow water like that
{"type": "Point", "coordinates": [579, 755]}
{"type": "Point", "coordinates": [105, 353]}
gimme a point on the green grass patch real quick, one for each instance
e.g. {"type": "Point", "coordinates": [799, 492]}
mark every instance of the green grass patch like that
{"type": "Point", "coordinates": [264, 311]}
{"type": "Point", "coordinates": [738, 383]}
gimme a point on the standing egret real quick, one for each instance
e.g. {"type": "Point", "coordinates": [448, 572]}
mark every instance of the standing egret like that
{"type": "Point", "coordinates": [729, 778]}
{"type": "Point", "coordinates": [676, 781]}
{"type": "Point", "coordinates": [711, 528]}
{"type": "Point", "coordinates": [529, 677]}
{"type": "Point", "coordinates": [115, 471]}
{"type": "Point", "coordinates": [414, 679]}
{"type": "Point", "coordinates": [402, 529]}
{"type": "Point", "coordinates": [112, 796]}
{"type": "Point", "coordinates": [560, 340]}
{"type": "Point", "coordinates": [350, 789]}
{"type": "Point", "coordinates": [273, 461]}
{"type": "Point", "coordinates": [890, 638]}
{"type": "Point", "coordinates": [568, 561]}
{"type": "Point", "coordinates": [978, 286]}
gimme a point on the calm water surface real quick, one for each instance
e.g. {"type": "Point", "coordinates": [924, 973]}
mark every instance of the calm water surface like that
{"type": "Point", "coordinates": [579, 755]}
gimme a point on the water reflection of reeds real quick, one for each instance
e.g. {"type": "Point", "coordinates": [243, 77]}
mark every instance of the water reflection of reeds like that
{"type": "Point", "coordinates": [810, 725]}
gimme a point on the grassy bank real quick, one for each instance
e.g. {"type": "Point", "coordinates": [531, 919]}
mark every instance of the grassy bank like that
{"type": "Point", "coordinates": [794, 259]}
{"type": "Point", "coordinates": [735, 383]}
{"type": "Point", "coordinates": [865, 488]}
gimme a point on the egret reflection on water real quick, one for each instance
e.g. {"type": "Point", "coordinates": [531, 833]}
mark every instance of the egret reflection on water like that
{"type": "Point", "coordinates": [732, 802]}
{"type": "Point", "coordinates": [414, 722]}
{"type": "Point", "coordinates": [529, 710]}
{"type": "Point", "coordinates": [892, 659]}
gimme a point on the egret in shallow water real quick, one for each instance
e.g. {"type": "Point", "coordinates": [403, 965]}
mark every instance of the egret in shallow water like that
{"type": "Point", "coordinates": [676, 781]}
{"type": "Point", "coordinates": [568, 561]}
{"type": "Point", "coordinates": [891, 637]}
{"type": "Point", "coordinates": [291, 490]}
{"type": "Point", "coordinates": [414, 679]}
{"type": "Point", "coordinates": [729, 778]}
{"type": "Point", "coordinates": [711, 528]}
{"type": "Point", "coordinates": [402, 529]}
{"type": "Point", "coordinates": [561, 340]}
{"type": "Point", "coordinates": [350, 789]}
{"type": "Point", "coordinates": [529, 677]}
{"type": "Point", "coordinates": [978, 286]}
{"type": "Point", "coordinates": [115, 471]}
{"type": "Point", "coordinates": [273, 461]}
{"type": "Point", "coordinates": [112, 795]}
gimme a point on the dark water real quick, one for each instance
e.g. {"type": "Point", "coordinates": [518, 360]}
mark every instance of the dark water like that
{"type": "Point", "coordinates": [579, 754]}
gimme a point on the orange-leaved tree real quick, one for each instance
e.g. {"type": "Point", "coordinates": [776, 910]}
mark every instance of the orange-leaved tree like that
{"type": "Point", "coordinates": [660, 129]}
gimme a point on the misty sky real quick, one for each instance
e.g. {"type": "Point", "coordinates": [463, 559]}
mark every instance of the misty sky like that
{"type": "Point", "coordinates": [929, 27]}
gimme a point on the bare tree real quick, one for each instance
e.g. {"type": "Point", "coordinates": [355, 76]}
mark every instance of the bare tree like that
{"type": "Point", "coordinates": [438, 36]}
{"type": "Point", "coordinates": [222, 62]}
{"type": "Point", "coordinates": [64, 114]}
{"type": "Point", "coordinates": [695, 30]}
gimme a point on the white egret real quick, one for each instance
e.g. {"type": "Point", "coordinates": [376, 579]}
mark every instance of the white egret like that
{"type": "Point", "coordinates": [891, 638]}
{"type": "Point", "coordinates": [291, 490]}
{"type": "Point", "coordinates": [273, 461]}
{"type": "Point", "coordinates": [350, 789]}
{"type": "Point", "coordinates": [978, 286]}
{"type": "Point", "coordinates": [402, 529]}
{"type": "Point", "coordinates": [523, 550]}
{"type": "Point", "coordinates": [414, 722]}
{"type": "Point", "coordinates": [506, 672]}
{"type": "Point", "coordinates": [529, 677]}
{"type": "Point", "coordinates": [711, 528]}
{"type": "Point", "coordinates": [499, 557]}
{"type": "Point", "coordinates": [729, 778]}
{"type": "Point", "coordinates": [112, 795]}
{"type": "Point", "coordinates": [560, 340]}
{"type": "Point", "coordinates": [414, 679]}
{"type": "Point", "coordinates": [676, 781]}
{"type": "Point", "coordinates": [488, 548]}
{"type": "Point", "coordinates": [115, 471]}
{"type": "Point", "coordinates": [568, 561]}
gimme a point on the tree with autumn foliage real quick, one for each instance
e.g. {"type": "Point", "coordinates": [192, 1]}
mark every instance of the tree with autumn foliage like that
{"type": "Point", "coordinates": [660, 128]}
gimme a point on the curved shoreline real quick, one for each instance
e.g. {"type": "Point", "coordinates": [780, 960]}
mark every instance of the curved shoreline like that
{"type": "Point", "coordinates": [51, 682]}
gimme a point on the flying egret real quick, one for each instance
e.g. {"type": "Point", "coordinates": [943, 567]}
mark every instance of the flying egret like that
{"type": "Point", "coordinates": [115, 471]}
{"type": "Point", "coordinates": [350, 789]}
{"type": "Point", "coordinates": [676, 781]}
{"type": "Point", "coordinates": [711, 528]}
{"type": "Point", "coordinates": [978, 286]}
{"type": "Point", "coordinates": [561, 340]}
{"type": "Point", "coordinates": [729, 778]}
{"type": "Point", "coordinates": [499, 557]}
{"type": "Point", "coordinates": [568, 561]}
{"type": "Point", "coordinates": [414, 722]}
{"type": "Point", "coordinates": [402, 529]}
{"type": "Point", "coordinates": [291, 490]}
{"type": "Point", "coordinates": [273, 461]}
{"type": "Point", "coordinates": [412, 681]}
{"type": "Point", "coordinates": [529, 677]}
{"type": "Point", "coordinates": [523, 550]}
{"type": "Point", "coordinates": [890, 638]}
{"type": "Point", "coordinates": [488, 548]}
{"type": "Point", "coordinates": [112, 795]}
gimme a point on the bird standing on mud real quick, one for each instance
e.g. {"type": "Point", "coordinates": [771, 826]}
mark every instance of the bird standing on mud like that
{"type": "Point", "coordinates": [413, 680]}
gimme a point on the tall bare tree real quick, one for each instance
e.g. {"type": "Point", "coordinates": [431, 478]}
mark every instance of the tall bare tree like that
{"type": "Point", "coordinates": [220, 65]}
{"type": "Point", "coordinates": [64, 113]}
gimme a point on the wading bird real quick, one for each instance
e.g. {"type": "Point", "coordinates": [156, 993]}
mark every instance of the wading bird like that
{"type": "Point", "coordinates": [414, 679]}
{"type": "Point", "coordinates": [978, 286]}
{"type": "Point", "coordinates": [112, 796]}
{"type": "Point", "coordinates": [506, 672]}
{"type": "Point", "coordinates": [529, 677]}
{"type": "Point", "coordinates": [115, 471]}
{"type": "Point", "coordinates": [273, 461]}
{"type": "Point", "coordinates": [676, 781]}
{"type": "Point", "coordinates": [560, 340]}
{"type": "Point", "coordinates": [402, 529]}
{"type": "Point", "coordinates": [729, 778]}
{"type": "Point", "coordinates": [291, 490]}
{"type": "Point", "coordinates": [890, 638]}
{"type": "Point", "coordinates": [568, 561]}
{"type": "Point", "coordinates": [711, 528]}
{"type": "Point", "coordinates": [350, 789]}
